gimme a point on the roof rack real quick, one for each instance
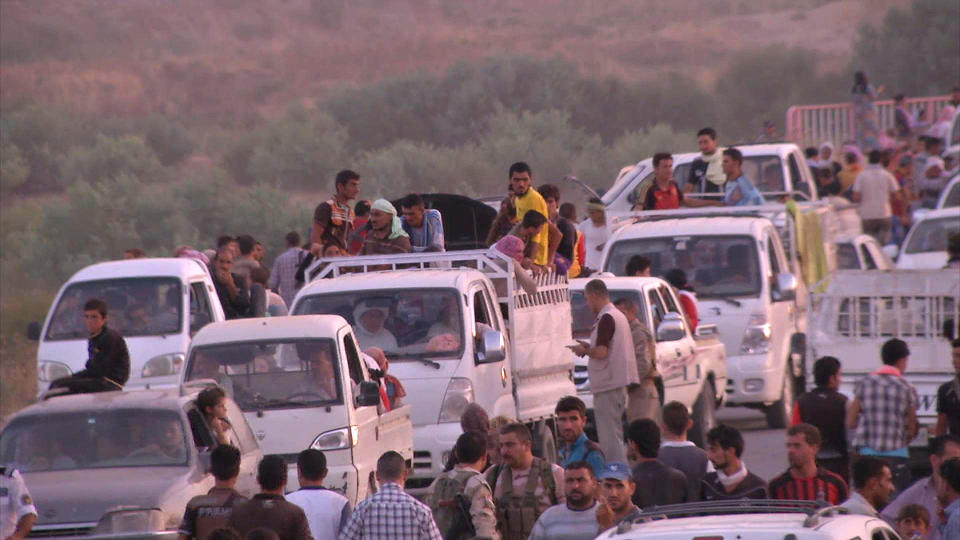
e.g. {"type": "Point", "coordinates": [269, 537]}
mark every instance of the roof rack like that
{"type": "Point", "coordinates": [814, 510]}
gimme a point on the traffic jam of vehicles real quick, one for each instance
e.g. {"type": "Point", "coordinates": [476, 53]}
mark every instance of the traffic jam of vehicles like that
{"type": "Point", "coordinates": [778, 285]}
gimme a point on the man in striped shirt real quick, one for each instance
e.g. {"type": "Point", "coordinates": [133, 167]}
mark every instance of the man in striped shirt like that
{"type": "Point", "coordinates": [804, 480]}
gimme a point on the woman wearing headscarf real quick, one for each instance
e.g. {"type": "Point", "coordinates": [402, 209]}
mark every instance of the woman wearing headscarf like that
{"type": "Point", "coordinates": [512, 247]}
{"type": "Point", "coordinates": [386, 236]}
{"type": "Point", "coordinates": [864, 116]}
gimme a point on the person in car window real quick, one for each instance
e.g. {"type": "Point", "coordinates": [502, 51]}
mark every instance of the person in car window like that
{"type": "Point", "coordinates": [321, 381]}
{"type": "Point", "coordinates": [369, 327]}
{"type": "Point", "coordinates": [166, 442]}
{"type": "Point", "coordinates": [212, 402]}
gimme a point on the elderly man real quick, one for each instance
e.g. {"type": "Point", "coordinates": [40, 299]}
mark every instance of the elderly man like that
{"type": "Point", "coordinates": [368, 325]}
{"type": "Point", "coordinates": [386, 236]}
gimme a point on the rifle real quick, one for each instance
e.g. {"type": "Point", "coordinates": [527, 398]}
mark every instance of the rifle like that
{"type": "Point", "coordinates": [462, 526]}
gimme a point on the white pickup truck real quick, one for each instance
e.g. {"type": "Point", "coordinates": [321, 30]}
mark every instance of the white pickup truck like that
{"type": "Point", "coordinates": [745, 286]}
{"type": "Point", "coordinates": [457, 329]}
{"type": "Point", "coordinates": [693, 367]}
{"type": "Point", "coordinates": [301, 383]}
{"type": "Point", "coordinates": [859, 311]}
{"type": "Point", "coordinates": [156, 304]}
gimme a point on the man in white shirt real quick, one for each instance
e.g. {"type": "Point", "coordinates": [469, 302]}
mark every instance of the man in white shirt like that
{"type": "Point", "coordinates": [595, 233]}
{"type": "Point", "coordinates": [327, 511]}
{"type": "Point", "coordinates": [873, 188]}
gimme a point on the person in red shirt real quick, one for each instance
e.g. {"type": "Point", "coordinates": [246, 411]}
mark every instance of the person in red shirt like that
{"type": "Point", "coordinates": [664, 194]}
{"type": "Point", "coordinates": [804, 480]}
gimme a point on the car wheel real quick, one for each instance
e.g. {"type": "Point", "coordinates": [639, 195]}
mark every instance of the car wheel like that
{"type": "Point", "coordinates": [779, 413]}
{"type": "Point", "coordinates": [704, 415]}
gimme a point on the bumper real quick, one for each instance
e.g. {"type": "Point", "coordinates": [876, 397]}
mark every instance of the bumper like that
{"type": "Point", "coordinates": [70, 532]}
{"type": "Point", "coordinates": [340, 478]}
{"type": "Point", "coordinates": [431, 447]}
{"type": "Point", "coordinates": [753, 379]}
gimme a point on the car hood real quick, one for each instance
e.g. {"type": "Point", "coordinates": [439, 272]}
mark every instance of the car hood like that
{"type": "Point", "coordinates": [83, 496]}
{"type": "Point", "coordinates": [923, 260]}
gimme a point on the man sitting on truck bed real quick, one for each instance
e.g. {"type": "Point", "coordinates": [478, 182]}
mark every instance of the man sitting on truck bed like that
{"type": "Point", "coordinates": [108, 362]}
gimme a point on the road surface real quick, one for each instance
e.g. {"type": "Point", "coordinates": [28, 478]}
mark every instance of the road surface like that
{"type": "Point", "coordinates": [764, 451]}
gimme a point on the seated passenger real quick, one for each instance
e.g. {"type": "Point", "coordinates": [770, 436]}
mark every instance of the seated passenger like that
{"type": "Point", "coordinates": [205, 366]}
{"type": "Point", "coordinates": [369, 327]}
{"type": "Point", "coordinates": [168, 318]}
{"type": "Point", "coordinates": [321, 379]}
{"type": "Point", "coordinates": [212, 403]}
{"type": "Point", "coordinates": [138, 321]}
{"type": "Point", "coordinates": [737, 269]}
{"type": "Point", "coordinates": [447, 322]}
{"type": "Point", "coordinates": [167, 442]}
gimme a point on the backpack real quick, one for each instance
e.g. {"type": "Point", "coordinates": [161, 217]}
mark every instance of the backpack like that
{"type": "Point", "coordinates": [451, 508]}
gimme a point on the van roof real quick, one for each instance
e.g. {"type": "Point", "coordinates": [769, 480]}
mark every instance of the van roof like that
{"type": "Point", "coordinates": [181, 267]}
{"type": "Point", "coordinates": [616, 282]}
{"type": "Point", "coordinates": [694, 225]}
{"type": "Point", "coordinates": [393, 279]}
{"type": "Point", "coordinates": [290, 327]}
{"type": "Point", "coordinates": [166, 398]}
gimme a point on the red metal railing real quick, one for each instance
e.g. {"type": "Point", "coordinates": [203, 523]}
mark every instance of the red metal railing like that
{"type": "Point", "coordinates": [810, 125]}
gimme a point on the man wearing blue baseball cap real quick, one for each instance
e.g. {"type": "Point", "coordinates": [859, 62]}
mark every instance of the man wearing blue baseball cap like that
{"type": "Point", "coordinates": [615, 503]}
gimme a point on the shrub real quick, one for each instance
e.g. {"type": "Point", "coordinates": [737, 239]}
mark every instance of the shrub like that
{"type": "Point", "coordinates": [110, 157]}
{"type": "Point", "coordinates": [13, 168]}
{"type": "Point", "coordinates": [298, 151]}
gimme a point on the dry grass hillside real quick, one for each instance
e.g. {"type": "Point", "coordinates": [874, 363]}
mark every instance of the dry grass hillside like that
{"type": "Point", "coordinates": [197, 57]}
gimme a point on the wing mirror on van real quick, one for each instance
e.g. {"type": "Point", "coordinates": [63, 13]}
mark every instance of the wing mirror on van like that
{"type": "Point", "coordinates": [369, 394]}
{"type": "Point", "coordinates": [33, 331]}
{"type": "Point", "coordinates": [891, 251]}
{"type": "Point", "coordinates": [784, 287]}
{"type": "Point", "coordinates": [492, 347]}
{"type": "Point", "coordinates": [671, 328]}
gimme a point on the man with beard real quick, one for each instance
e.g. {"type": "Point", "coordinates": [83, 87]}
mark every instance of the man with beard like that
{"type": "Point", "coordinates": [386, 236]}
{"type": "Point", "coordinates": [571, 418]}
{"type": "Point", "coordinates": [873, 485]}
{"type": "Point", "coordinates": [731, 480]}
{"type": "Point", "coordinates": [576, 518]}
{"type": "Point", "coordinates": [804, 481]}
{"type": "Point", "coordinates": [615, 504]}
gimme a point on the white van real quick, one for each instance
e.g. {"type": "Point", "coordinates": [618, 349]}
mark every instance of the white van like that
{"type": "Point", "coordinates": [925, 246]}
{"type": "Point", "coordinates": [177, 299]}
{"type": "Point", "coordinates": [301, 383]}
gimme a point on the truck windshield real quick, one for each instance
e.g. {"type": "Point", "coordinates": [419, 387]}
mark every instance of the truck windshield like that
{"type": "Point", "coordinates": [271, 374]}
{"type": "Point", "coordinates": [95, 440]}
{"type": "Point", "coordinates": [717, 266]}
{"type": "Point", "coordinates": [135, 307]}
{"type": "Point", "coordinates": [931, 235]}
{"type": "Point", "coordinates": [583, 317]}
{"type": "Point", "coordinates": [404, 323]}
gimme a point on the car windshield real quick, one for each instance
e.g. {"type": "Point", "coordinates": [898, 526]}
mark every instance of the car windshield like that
{"type": "Point", "coordinates": [95, 440]}
{"type": "Point", "coordinates": [404, 323]}
{"type": "Point", "coordinates": [135, 307]}
{"type": "Point", "coordinates": [271, 374]}
{"type": "Point", "coordinates": [931, 235]}
{"type": "Point", "coordinates": [583, 316]}
{"type": "Point", "coordinates": [766, 173]}
{"type": "Point", "coordinates": [717, 266]}
{"type": "Point", "coordinates": [847, 257]}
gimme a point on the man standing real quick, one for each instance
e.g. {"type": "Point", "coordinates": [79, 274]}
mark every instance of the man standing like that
{"type": "Point", "coordinates": [423, 226]}
{"type": "Point", "coordinates": [804, 481]}
{"type": "Point", "coordinates": [902, 119]}
{"type": "Point", "coordinates": [616, 494]}
{"type": "Point", "coordinates": [523, 486]}
{"type": "Point", "coordinates": [659, 484]}
{"type": "Point", "coordinates": [677, 452]}
{"type": "Point", "coordinates": [17, 512]}
{"type": "Point", "coordinates": [643, 399]}
{"type": "Point", "coordinates": [283, 277]}
{"type": "Point", "coordinates": [948, 493]}
{"type": "Point", "coordinates": [231, 288]}
{"type": "Point", "coordinates": [825, 408]}
{"type": "Point", "coordinates": [205, 513]}
{"type": "Point", "coordinates": [327, 511]}
{"type": "Point", "coordinates": [611, 367]}
{"type": "Point", "coordinates": [386, 235]}
{"type": "Point", "coordinates": [924, 491]}
{"type": "Point", "coordinates": [268, 509]}
{"type": "Point", "coordinates": [575, 519]}
{"type": "Point", "coordinates": [568, 231]}
{"type": "Point", "coordinates": [391, 512]}
{"type": "Point", "coordinates": [730, 480]}
{"type": "Point", "coordinates": [872, 484]}
{"type": "Point", "coordinates": [884, 412]}
{"type": "Point", "coordinates": [874, 188]}
{"type": "Point", "coordinates": [571, 414]}
{"type": "Point", "coordinates": [706, 172]}
{"type": "Point", "coordinates": [461, 499]}
{"type": "Point", "coordinates": [108, 362]}
{"type": "Point", "coordinates": [738, 189]}
{"type": "Point", "coordinates": [948, 398]}
{"type": "Point", "coordinates": [245, 262]}
{"type": "Point", "coordinates": [526, 199]}
{"type": "Point", "coordinates": [595, 232]}
{"type": "Point", "coordinates": [664, 194]}
{"type": "Point", "coordinates": [361, 212]}
{"type": "Point", "coordinates": [333, 219]}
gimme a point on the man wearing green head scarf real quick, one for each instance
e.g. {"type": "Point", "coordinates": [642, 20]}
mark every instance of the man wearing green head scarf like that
{"type": "Point", "coordinates": [386, 235]}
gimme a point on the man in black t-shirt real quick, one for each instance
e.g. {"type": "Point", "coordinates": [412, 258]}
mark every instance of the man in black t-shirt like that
{"type": "Point", "coordinates": [825, 408]}
{"type": "Point", "coordinates": [108, 362]}
{"type": "Point", "coordinates": [206, 513]}
{"type": "Point", "coordinates": [268, 509]}
{"type": "Point", "coordinates": [568, 242]}
{"type": "Point", "coordinates": [948, 399]}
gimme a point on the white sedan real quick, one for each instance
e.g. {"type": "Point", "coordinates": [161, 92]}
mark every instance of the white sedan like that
{"type": "Point", "coordinates": [926, 243]}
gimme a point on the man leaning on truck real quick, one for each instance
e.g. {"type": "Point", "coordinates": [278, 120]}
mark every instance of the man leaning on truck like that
{"type": "Point", "coordinates": [108, 362]}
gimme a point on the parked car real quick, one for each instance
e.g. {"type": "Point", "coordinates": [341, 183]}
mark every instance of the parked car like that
{"type": "Point", "coordinates": [119, 465]}
{"type": "Point", "coordinates": [950, 196]}
{"type": "Point", "coordinates": [926, 244]}
{"type": "Point", "coordinates": [861, 252]}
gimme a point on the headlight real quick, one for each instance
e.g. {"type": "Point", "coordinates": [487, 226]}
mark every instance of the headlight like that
{"type": "Point", "coordinates": [165, 364]}
{"type": "Point", "coordinates": [336, 439]}
{"type": "Point", "coordinates": [131, 521]}
{"type": "Point", "coordinates": [756, 337]}
{"type": "Point", "coordinates": [459, 395]}
{"type": "Point", "coordinates": [48, 371]}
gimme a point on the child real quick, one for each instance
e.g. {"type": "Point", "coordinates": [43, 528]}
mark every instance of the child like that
{"type": "Point", "coordinates": [913, 521]}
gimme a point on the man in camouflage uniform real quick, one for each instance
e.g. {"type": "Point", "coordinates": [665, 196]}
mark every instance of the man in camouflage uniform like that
{"type": "Point", "coordinates": [461, 499]}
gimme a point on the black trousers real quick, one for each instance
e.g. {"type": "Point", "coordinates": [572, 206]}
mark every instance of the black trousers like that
{"type": "Point", "coordinates": [82, 383]}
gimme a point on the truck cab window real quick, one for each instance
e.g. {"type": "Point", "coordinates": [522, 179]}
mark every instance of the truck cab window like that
{"type": "Point", "coordinates": [481, 313]}
{"type": "Point", "coordinates": [796, 178]}
{"type": "Point", "coordinates": [868, 261]}
{"type": "Point", "coordinates": [199, 307]}
{"type": "Point", "coordinates": [353, 359]}
{"type": "Point", "coordinates": [656, 306]}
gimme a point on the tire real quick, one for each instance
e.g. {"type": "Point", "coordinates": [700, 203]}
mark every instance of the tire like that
{"type": "Point", "coordinates": [780, 413]}
{"type": "Point", "coordinates": [704, 415]}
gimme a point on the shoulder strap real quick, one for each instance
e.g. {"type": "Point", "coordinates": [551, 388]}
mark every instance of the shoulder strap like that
{"type": "Point", "coordinates": [493, 475]}
{"type": "Point", "coordinates": [533, 477]}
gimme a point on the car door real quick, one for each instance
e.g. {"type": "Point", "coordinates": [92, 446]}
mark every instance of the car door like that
{"type": "Point", "coordinates": [362, 420]}
{"type": "Point", "coordinates": [781, 313]}
{"type": "Point", "coordinates": [200, 313]}
{"type": "Point", "coordinates": [490, 380]}
{"type": "Point", "coordinates": [668, 361]}
{"type": "Point", "coordinates": [684, 353]}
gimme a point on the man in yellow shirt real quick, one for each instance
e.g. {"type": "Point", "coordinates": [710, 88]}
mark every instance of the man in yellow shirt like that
{"type": "Point", "coordinates": [528, 199]}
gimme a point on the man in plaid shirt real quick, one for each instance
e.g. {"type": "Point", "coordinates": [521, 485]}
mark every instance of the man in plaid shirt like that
{"type": "Point", "coordinates": [391, 513]}
{"type": "Point", "coordinates": [283, 279]}
{"type": "Point", "coordinates": [884, 412]}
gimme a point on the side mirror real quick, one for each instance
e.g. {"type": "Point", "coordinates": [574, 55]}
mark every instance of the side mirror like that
{"type": "Point", "coordinates": [492, 348]}
{"type": "Point", "coordinates": [33, 331]}
{"type": "Point", "coordinates": [671, 328]}
{"type": "Point", "coordinates": [369, 394]}
{"type": "Point", "coordinates": [784, 287]}
{"type": "Point", "coordinates": [891, 251]}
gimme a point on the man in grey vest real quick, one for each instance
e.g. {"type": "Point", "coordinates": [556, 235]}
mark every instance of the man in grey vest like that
{"type": "Point", "coordinates": [611, 367]}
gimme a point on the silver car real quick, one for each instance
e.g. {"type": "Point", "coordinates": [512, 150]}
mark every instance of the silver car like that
{"type": "Point", "coordinates": [118, 464]}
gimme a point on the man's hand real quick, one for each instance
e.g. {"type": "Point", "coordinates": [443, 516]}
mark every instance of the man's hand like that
{"type": "Point", "coordinates": [604, 514]}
